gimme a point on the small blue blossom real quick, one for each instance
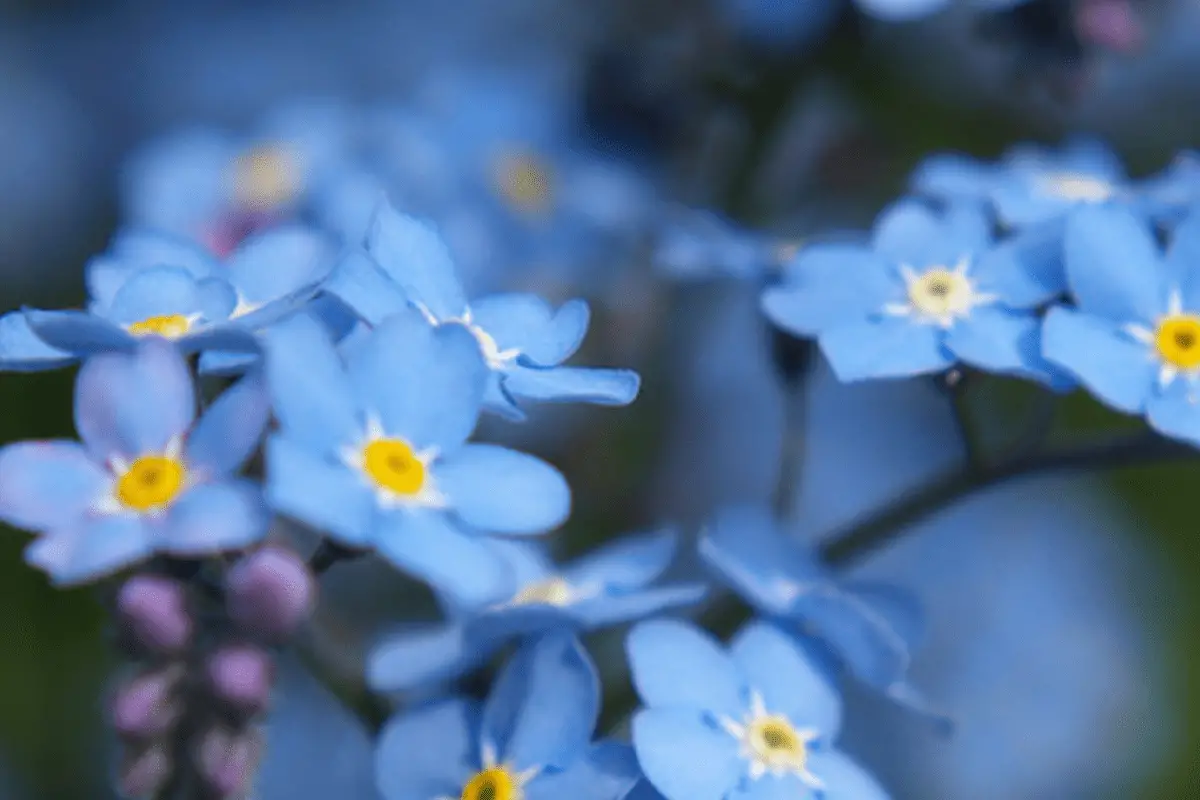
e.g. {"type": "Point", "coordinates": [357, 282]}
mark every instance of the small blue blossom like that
{"type": "Point", "coordinates": [1133, 337]}
{"type": "Point", "coordinates": [607, 587]}
{"type": "Point", "coordinates": [371, 450]}
{"type": "Point", "coordinates": [1168, 196]}
{"type": "Point", "coordinates": [930, 290]}
{"type": "Point", "coordinates": [147, 477]}
{"type": "Point", "coordinates": [531, 739]}
{"type": "Point", "coordinates": [700, 245]}
{"type": "Point", "coordinates": [523, 341]}
{"type": "Point", "coordinates": [757, 721]}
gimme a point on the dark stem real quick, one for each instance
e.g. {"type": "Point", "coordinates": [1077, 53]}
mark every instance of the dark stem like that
{"type": "Point", "coordinates": [953, 385]}
{"type": "Point", "coordinates": [328, 553]}
{"type": "Point", "coordinates": [793, 360]}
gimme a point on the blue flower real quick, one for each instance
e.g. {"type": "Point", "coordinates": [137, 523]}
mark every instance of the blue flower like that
{"type": "Point", "coordinates": [607, 587]}
{"type": "Point", "coordinates": [371, 450]}
{"type": "Point", "coordinates": [700, 245]}
{"type": "Point", "coordinates": [931, 290]}
{"type": "Point", "coordinates": [147, 477]}
{"type": "Point", "coordinates": [524, 342]}
{"type": "Point", "coordinates": [871, 628]}
{"type": "Point", "coordinates": [1168, 196]}
{"type": "Point", "coordinates": [532, 738]}
{"type": "Point", "coordinates": [757, 721]}
{"type": "Point", "coordinates": [1133, 337]}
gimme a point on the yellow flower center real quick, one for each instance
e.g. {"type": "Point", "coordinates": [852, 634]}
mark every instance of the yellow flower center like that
{"type": "Point", "coordinates": [393, 465]}
{"type": "Point", "coordinates": [776, 744]}
{"type": "Point", "coordinates": [151, 482]}
{"type": "Point", "coordinates": [266, 177]}
{"type": "Point", "coordinates": [940, 293]}
{"type": "Point", "coordinates": [168, 326]}
{"type": "Point", "coordinates": [493, 783]}
{"type": "Point", "coordinates": [1178, 340]}
{"type": "Point", "coordinates": [550, 592]}
{"type": "Point", "coordinates": [1080, 188]}
{"type": "Point", "coordinates": [525, 183]}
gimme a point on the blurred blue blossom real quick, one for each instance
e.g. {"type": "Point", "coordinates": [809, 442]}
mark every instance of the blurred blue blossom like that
{"type": "Point", "coordinates": [147, 477]}
{"type": "Point", "coordinates": [698, 245]}
{"type": "Point", "coordinates": [780, 23]}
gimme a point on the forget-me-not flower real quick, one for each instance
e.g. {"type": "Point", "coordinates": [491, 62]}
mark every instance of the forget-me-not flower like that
{"type": "Point", "coordinates": [757, 721]}
{"type": "Point", "coordinates": [372, 451]}
{"type": "Point", "coordinates": [531, 740]}
{"type": "Point", "coordinates": [931, 290]}
{"type": "Point", "coordinates": [523, 341]}
{"type": "Point", "coordinates": [609, 586]}
{"type": "Point", "coordinates": [1133, 338]}
{"type": "Point", "coordinates": [148, 477]}
{"type": "Point", "coordinates": [701, 245]}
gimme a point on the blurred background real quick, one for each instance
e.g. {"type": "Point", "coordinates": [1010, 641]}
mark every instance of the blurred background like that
{"type": "Point", "coordinates": [559, 144]}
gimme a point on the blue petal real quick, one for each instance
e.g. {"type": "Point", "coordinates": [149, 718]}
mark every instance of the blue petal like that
{"type": "Point", "coordinates": [890, 347]}
{"type": "Point", "coordinates": [606, 771]}
{"type": "Point", "coordinates": [328, 497]}
{"type": "Point", "coordinates": [130, 404]}
{"type": "Point", "coordinates": [901, 10]}
{"type": "Point", "coordinates": [415, 257]}
{"type": "Point", "coordinates": [627, 564]}
{"type": "Point", "coordinates": [1113, 265]}
{"type": "Point", "coordinates": [135, 251]}
{"type": "Point", "coordinates": [525, 321]}
{"type": "Point", "coordinates": [22, 350]}
{"type": "Point", "coordinates": [503, 491]}
{"type": "Point", "coordinates": [495, 626]}
{"type": "Point", "coordinates": [785, 678]}
{"type": "Point", "coordinates": [425, 383]}
{"type": "Point", "coordinates": [425, 543]}
{"type": "Point", "coordinates": [787, 786]}
{"type": "Point", "coordinates": [997, 340]}
{"type": "Point", "coordinates": [528, 560]}
{"type": "Point", "coordinates": [843, 779]}
{"type": "Point", "coordinates": [309, 391]}
{"type": "Point", "coordinates": [1182, 258]}
{"type": "Point", "coordinates": [213, 517]}
{"type": "Point", "coordinates": [830, 284]}
{"type": "Point", "coordinates": [224, 364]}
{"type": "Point", "coordinates": [543, 705]}
{"type": "Point", "coordinates": [45, 485]}
{"type": "Point", "coordinates": [606, 387]}
{"type": "Point", "coordinates": [684, 756]}
{"type": "Point", "coordinates": [91, 548]}
{"type": "Point", "coordinates": [159, 291]}
{"type": "Point", "coordinates": [953, 177]}
{"type": "Point", "coordinates": [230, 429]}
{"type": "Point", "coordinates": [275, 264]}
{"type": "Point", "coordinates": [602, 612]}
{"type": "Point", "coordinates": [1116, 368]}
{"type": "Point", "coordinates": [359, 283]}
{"type": "Point", "coordinates": [1176, 412]}
{"type": "Point", "coordinates": [430, 752]}
{"type": "Point", "coordinates": [911, 233]}
{"type": "Point", "coordinates": [413, 659]}
{"type": "Point", "coordinates": [677, 665]}
{"type": "Point", "coordinates": [1025, 270]}
{"type": "Point", "coordinates": [78, 332]}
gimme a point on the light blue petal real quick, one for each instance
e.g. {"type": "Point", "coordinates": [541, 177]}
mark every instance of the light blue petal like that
{"type": "Point", "coordinates": [1119, 370]}
{"type": "Point", "coordinates": [998, 340]}
{"type": "Point", "coordinates": [626, 564]}
{"type": "Point", "coordinates": [1090, 155]}
{"type": "Point", "coordinates": [1026, 269]}
{"type": "Point", "coordinates": [890, 347]}
{"type": "Point", "coordinates": [544, 336]}
{"type": "Point", "coordinates": [789, 683]}
{"type": "Point", "coordinates": [606, 771]}
{"type": "Point", "coordinates": [496, 626]}
{"type": "Point", "coordinates": [46, 485]}
{"type": "Point", "coordinates": [901, 10]}
{"type": "Point", "coordinates": [427, 753]}
{"type": "Point", "coordinates": [229, 430]}
{"type": "Point", "coordinates": [602, 612]}
{"type": "Point", "coordinates": [684, 756]}
{"type": "Point", "coordinates": [426, 544]}
{"type": "Point", "coordinates": [953, 177]}
{"type": "Point", "coordinates": [529, 560]}
{"type": "Point", "coordinates": [91, 548]}
{"type": "Point", "coordinates": [415, 257]}
{"type": "Point", "coordinates": [1182, 258]}
{"type": "Point", "coordinates": [426, 384]}
{"type": "Point", "coordinates": [1176, 412]}
{"type": "Point", "coordinates": [831, 284]}
{"type": "Point", "coordinates": [503, 491]}
{"type": "Point", "coordinates": [909, 232]}
{"type": "Point", "coordinates": [426, 655]}
{"type": "Point", "coordinates": [498, 401]}
{"type": "Point", "coordinates": [130, 404]}
{"type": "Point", "coordinates": [902, 609]}
{"type": "Point", "coordinates": [678, 665]}
{"type": "Point", "coordinates": [78, 332]}
{"type": "Point", "coordinates": [158, 291]}
{"type": "Point", "coordinates": [860, 636]}
{"type": "Point", "coordinates": [328, 497]}
{"type": "Point", "coordinates": [22, 350]}
{"type": "Point", "coordinates": [225, 364]}
{"type": "Point", "coordinates": [230, 336]}
{"type": "Point", "coordinates": [310, 393]}
{"type": "Point", "coordinates": [358, 282]}
{"type": "Point", "coordinates": [272, 265]}
{"type": "Point", "coordinates": [135, 251]}
{"type": "Point", "coordinates": [605, 387]}
{"type": "Point", "coordinates": [1113, 265]}
{"type": "Point", "coordinates": [843, 779]}
{"type": "Point", "coordinates": [775, 787]}
{"type": "Point", "coordinates": [213, 517]}
{"type": "Point", "coordinates": [543, 706]}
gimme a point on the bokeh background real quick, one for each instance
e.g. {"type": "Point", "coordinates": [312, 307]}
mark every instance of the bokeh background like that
{"type": "Point", "coordinates": [1063, 610]}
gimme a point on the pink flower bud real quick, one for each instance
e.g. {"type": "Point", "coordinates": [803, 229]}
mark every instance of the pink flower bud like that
{"type": "Point", "coordinates": [227, 760]}
{"type": "Point", "coordinates": [153, 610]}
{"type": "Point", "coordinates": [144, 773]}
{"type": "Point", "coordinates": [146, 706]}
{"type": "Point", "coordinates": [241, 676]}
{"type": "Point", "coordinates": [1113, 24]}
{"type": "Point", "coordinates": [271, 592]}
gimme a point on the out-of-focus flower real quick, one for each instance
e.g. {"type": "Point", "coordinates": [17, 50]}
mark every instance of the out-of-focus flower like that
{"type": "Point", "coordinates": [147, 477]}
{"type": "Point", "coordinates": [781, 23]}
{"type": "Point", "coordinates": [700, 245]}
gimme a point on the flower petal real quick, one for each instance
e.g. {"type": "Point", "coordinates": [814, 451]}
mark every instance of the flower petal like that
{"type": "Point", "coordinates": [831, 284]}
{"type": "Point", "coordinates": [411, 659]}
{"type": "Point", "coordinates": [677, 665]}
{"type": "Point", "coordinates": [1113, 265]}
{"type": "Point", "coordinates": [430, 752]}
{"type": "Point", "coordinates": [1117, 369]}
{"type": "Point", "coordinates": [543, 706]}
{"type": "Point", "coordinates": [601, 612]}
{"type": "Point", "coordinates": [213, 517]}
{"type": "Point", "coordinates": [45, 485]}
{"type": "Point", "coordinates": [21, 350]}
{"type": "Point", "coordinates": [153, 292]}
{"type": "Point", "coordinates": [91, 548]}
{"type": "Point", "coordinates": [503, 491]}
{"type": "Point", "coordinates": [1026, 269]}
{"type": "Point", "coordinates": [414, 256]}
{"type": "Point", "coordinates": [910, 232]}
{"type": "Point", "coordinates": [998, 340]}
{"type": "Point", "coordinates": [78, 332]}
{"type": "Point", "coordinates": [787, 680]}
{"type": "Point", "coordinates": [544, 336]}
{"type": "Point", "coordinates": [843, 779]}
{"type": "Point", "coordinates": [129, 404]}
{"type": "Point", "coordinates": [328, 497]}
{"type": "Point", "coordinates": [628, 563]}
{"type": "Point", "coordinates": [890, 347]}
{"type": "Point", "coordinates": [605, 387]}
{"type": "Point", "coordinates": [272, 265]}
{"type": "Point", "coordinates": [684, 756]}
{"type": "Point", "coordinates": [229, 430]}
{"type": "Point", "coordinates": [605, 771]}
{"type": "Point", "coordinates": [1176, 412]}
{"type": "Point", "coordinates": [359, 282]}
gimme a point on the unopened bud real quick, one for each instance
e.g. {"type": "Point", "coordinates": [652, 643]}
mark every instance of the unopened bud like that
{"type": "Point", "coordinates": [153, 610]}
{"type": "Point", "coordinates": [143, 773]}
{"type": "Point", "coordinates": [228, 761]}
{"type": "Point", "coordinates": [146, 706]}
{"type": "Point", "coordinates": [241, 677]}
{"type": "Point", "coordinates": [271, 592]}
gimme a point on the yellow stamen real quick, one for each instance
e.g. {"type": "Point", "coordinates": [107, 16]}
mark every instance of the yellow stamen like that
{"type": "Point", "coordinates": [1178, 340]}
{"type": "Point", "coordinates": [151, 482]}
{"type": "Point", "coordinates": [493, 783]}
{"type": "Point", "coordinates": [266, 177]}
{"type": "Point", "coordinates": [168, 326]}
{"type": "Point", "coordinates": [392, 465]}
